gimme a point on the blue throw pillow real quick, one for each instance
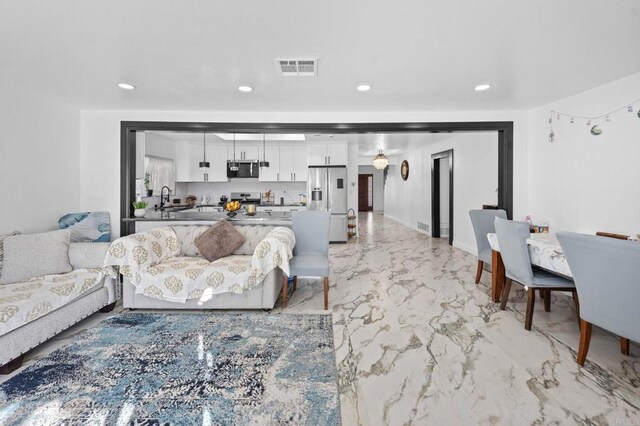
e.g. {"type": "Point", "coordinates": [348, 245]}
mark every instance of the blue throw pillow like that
{"type": "Point", "coordinates": [87, 227]}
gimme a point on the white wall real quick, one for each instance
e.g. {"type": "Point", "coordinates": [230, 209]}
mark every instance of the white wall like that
{"type": "Point", "coordinates": [475, 179]}
{"type": "Point", "coordinates": [100, 162]}
{"type": "Point", "coordinates": [588, 183]}
{"type": "Point", "coordinates": [39, 162]}
{"type": "Point", "coordinates": [159, 146]}
{"type": "Point", "coordinates": [378, 186]}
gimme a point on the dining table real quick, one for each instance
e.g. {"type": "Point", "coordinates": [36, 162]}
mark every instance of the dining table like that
{"type": "Point", "coordinates": [545, 252]}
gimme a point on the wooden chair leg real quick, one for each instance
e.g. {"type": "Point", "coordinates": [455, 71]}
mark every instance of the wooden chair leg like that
{"type": "Point", "coordinates": [531, 303]}
{"type": "Point", "coordinates": [624, 346]}
{"type": "Point", "coordinates": [295, 282]}
{"type": "Point", "coordinates": [326, 293]}
{"type": "Point", "coordinates": [505, 294]}
{"type": "Point", "coordinates": [497, 275]}
{"type": "Point", "coordinates": [285, 288]}
{"type": "Point", "coordinates": [504, 297]}
{"type": "Point", "coordinates": [547, 300]}
{"type": "Point", "coordinates": [479, 271]}
{"type": "Point", "coordinates": [585, 339]}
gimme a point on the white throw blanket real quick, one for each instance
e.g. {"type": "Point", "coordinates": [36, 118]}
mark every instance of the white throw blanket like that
{"type": "Point", "coordinates": [153, 263]}
{"type": "Point", "coordinates": [24, 302]}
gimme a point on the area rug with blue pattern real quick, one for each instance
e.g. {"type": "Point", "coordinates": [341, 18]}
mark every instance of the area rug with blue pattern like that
{"type": "Point", "coordinates": [183, 369]}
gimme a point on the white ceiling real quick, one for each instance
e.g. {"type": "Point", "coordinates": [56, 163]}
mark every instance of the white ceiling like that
{"type": "Point", "coordinates": [417, 54]}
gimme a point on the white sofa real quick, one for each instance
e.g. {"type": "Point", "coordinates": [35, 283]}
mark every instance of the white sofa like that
{"type": "Point", "coordinates": [32, 312]}
{"type": "Point", "coordinates": [263, 296]}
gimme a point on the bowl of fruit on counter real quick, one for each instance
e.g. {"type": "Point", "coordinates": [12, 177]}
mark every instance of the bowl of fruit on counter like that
{"type": "Point", "coordinates": [232, 207]}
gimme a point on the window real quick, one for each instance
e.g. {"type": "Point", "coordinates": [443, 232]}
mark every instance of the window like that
{"type": "Point", "coordinates": [162, 172]}
{"type": "Point", "coordinates": [370, 190]}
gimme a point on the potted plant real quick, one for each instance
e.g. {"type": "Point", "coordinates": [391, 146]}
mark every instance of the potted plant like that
{"type": "Point", "coordinates": [147, 182]}
{"type": "Point", "coordinates": [139, 208]}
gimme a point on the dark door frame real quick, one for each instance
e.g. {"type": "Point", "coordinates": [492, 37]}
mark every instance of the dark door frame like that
{"type": "Point", "coordinates": [436, 163]}
{"type": "Point", "coordinates": [128, 153]}
{"type": "Point", "coordinates": [365, 174]}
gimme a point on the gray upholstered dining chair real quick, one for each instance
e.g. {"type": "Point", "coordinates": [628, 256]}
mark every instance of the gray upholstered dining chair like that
{"type": "Point", "coordinates": [482, 221]}
{"type": "Point", "coordinates": [607, 276]}
{"type": "Point", "coordinates": [311, 252]}
{"type": "Point", "coordinates": [512, 239]}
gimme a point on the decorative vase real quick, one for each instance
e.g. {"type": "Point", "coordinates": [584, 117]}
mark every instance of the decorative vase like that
{"type": "Point", "coordinates": [139, 212]}
{"type": "Point", "coordinates": [149, 192]}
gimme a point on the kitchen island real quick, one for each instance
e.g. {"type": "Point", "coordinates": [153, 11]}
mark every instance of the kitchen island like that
{"type": "Point", "coordinates": [155, 219]}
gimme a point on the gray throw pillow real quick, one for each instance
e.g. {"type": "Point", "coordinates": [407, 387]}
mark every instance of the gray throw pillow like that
{"type": "Point", "coordinates": [2, 237]}
{"type": "Point", "coordinates": [30, 256]}
{"type": "Point", "coordinates": [220, 240]}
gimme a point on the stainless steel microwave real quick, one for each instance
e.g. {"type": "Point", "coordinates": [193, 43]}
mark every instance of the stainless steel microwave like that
{"type": "Point", "coordinates": [246, 169]}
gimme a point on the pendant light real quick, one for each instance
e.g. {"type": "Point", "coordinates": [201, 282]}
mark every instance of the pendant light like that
{"type": "Point", "coordinates": [264, 163]}
{"type": "Point", "coordinates": [204, 164]}
{"type": "Point", "coordinates": [381, 161]}
{"type": "Point", "coordinates": [234, 165]}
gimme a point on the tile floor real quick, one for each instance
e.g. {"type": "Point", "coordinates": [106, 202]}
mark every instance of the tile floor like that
{"type": "Point", "coordinates": [417, 342]}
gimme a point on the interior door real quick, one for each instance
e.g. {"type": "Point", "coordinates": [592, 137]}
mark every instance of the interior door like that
{"type": "Point", "coordinates": [365, 192]}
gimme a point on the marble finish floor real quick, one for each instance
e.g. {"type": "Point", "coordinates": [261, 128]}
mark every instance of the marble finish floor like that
{"type": "Point", "coordinates": [417, 342]}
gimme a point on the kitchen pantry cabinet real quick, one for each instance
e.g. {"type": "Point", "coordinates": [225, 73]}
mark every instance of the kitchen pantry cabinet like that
{"type": "Point", "coordinates": [287, 163]}
{"type": "Point", "coordinates": [328, 154]}
{"type": "Point", "coordinates": [244, 151]}
{"type": "Point", "coordinates": [189, 154]}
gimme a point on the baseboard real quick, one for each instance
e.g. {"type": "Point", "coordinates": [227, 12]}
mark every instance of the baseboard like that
{"type": "Point", "coordinates": [407, 224]}
{"type": "Point", "coordinates": [464, 247]}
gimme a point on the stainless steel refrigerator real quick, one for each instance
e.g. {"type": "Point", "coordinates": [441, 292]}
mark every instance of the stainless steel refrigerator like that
{"type": "Point", "coordinates": [327, 191]}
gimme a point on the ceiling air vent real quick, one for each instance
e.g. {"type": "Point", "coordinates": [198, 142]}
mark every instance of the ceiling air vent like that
{"type": "Point", "coordinates": [297, 67]}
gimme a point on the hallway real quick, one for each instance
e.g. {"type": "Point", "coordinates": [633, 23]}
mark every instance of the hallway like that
{"type": "Point", "coordinates": [417, 342]}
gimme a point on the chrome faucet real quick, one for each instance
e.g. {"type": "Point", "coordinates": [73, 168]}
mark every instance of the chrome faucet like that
{"type": "Point", "coordinates": [162, 200]}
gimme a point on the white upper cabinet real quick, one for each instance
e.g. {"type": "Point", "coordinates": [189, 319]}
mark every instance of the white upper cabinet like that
{"type": "Point", "coordinates": [328, 154]}
{"type": "Point", "coordinates": [337, 153]}
{"type": "Point", "coordinates": [272, 155]}
{"type": "Point", "coordinates": [300, 164]}
{"type": "Point", "coordinates": [287, 163]}
{"type": "Point", "coordinates": [244, 151]}
{"type": "Point", "coordinates": [190, 154]}
{"type": "Point", "coordinates": [218, 162]}
{"type": "Point", "coordinates": [317, 154]}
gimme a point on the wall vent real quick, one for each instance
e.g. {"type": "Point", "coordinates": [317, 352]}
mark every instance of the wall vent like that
{"type": "Point", "coordinates": [297, 67]}
{"type": "Point", "coordinates": [423, 226]}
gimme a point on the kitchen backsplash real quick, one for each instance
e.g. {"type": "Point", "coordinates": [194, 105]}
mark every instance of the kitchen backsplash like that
{"type": "Point", "coordinates": [216, 189]}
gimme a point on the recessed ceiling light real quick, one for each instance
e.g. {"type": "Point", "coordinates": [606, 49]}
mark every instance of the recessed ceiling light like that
{"type": "Point", "coordinates": [364, 87]}
{"type": "Point", "coordinates": [245, 88]}
{"type": "Point", "coordinates": [126, 86]}
{"type": "Point", "coordinates": [481, 87]}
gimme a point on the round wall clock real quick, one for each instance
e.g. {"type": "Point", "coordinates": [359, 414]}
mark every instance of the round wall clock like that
{"type": "Point", "coordinates": [404, 170]}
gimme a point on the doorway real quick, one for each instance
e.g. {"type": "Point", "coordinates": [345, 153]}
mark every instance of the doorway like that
{"type": "Point", "coordinates": [442, 194]}
{"type": "Point", "coordinates": [365, 192]}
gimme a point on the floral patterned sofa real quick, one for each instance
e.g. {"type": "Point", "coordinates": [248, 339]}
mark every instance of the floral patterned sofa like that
{"type": "Point", "coordinates": [163, 269]}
